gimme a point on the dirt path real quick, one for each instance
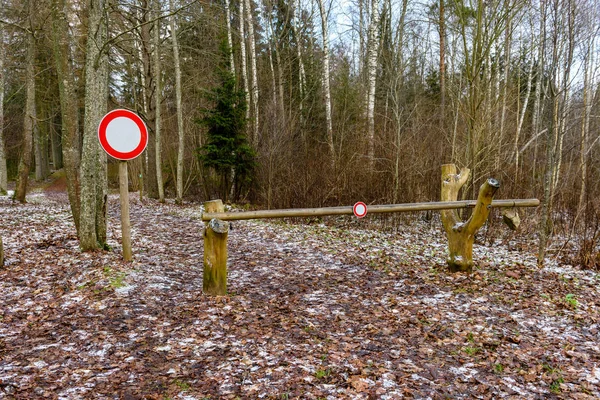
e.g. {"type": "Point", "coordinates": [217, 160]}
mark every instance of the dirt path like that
{"type": "Point", "coordinates": [314, 312]}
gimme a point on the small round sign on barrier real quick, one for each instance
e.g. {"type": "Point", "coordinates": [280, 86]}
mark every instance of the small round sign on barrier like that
{"type": "Point", "coordinates": [359, 209]}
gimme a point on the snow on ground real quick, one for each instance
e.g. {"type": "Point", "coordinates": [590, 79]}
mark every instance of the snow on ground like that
{"type": "Point", "coordinates": [320, 310]}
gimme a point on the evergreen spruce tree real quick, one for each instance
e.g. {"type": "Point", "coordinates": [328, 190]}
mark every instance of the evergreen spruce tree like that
{"type": "Point", "coordinates": [227, 151]}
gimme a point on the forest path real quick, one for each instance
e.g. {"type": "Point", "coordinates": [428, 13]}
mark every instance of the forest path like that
{"type": "Point", "coordinates": [315, 311]}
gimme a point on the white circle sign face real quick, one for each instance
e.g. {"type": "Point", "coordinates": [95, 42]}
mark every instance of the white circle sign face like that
{"type": "Point", "coordinates": [117, 140]}
{"type": "Point", "coordinates": [123, 134]}
{"type": "Point", "coordinates": [360, 209]}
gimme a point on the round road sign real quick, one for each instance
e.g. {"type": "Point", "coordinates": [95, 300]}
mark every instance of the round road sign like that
{"type": "Point", "coordinates": [122, 134]}
{"type": "Point", "coordinates": [360, 209]}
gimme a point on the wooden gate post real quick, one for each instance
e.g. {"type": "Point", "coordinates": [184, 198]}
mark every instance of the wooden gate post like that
{"type": "Point", "coordinates": [461, 235]}
{"type": "Point", "coordinates": [215, 252]}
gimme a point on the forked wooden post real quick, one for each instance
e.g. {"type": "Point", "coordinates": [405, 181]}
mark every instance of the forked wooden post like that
{"type": "Point", "coordinates": [461, 235]}
{"type": "Point", "coordinates": [215, 251]}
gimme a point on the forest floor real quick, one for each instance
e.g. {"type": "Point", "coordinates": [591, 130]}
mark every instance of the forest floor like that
{"type": "Point", "coordinates": [323, 310]}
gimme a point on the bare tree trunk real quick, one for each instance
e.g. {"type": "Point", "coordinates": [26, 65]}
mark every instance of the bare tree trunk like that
{"type": "Point", "coordinates": [56, 147]}
{"type": "Point", "coordinates": [442, 32]}
{"type": "Point", "coordinates": [250, 22]}
{"type": "Point", "coordinates": [158, 98]}
{"type": "Point", "coordinates": [372, 52]}
{"type": "Point", "coordinates": [566, 91]}
{"type": "Point", "coordinates": [326, 89]}
{"type": "Point", "coordinates": [277, 87]}
{"type": "Point", "coordinates": [40, 142]}
{"type": "Point", "coordinates": [229, 36]}
{"type": "Point", "coordinates": [180, 132]}
{"type": "Point", "coordinates": [3, 170]}
{"type": "Point", "coordinates": [554, 130]}
{"type": "Point", "coordinates": [69, 109]}
{"type": "Point", "coordinates": [536, 114]}
{"type": "Point", "coordinates": [507, 47]}
{"type": "Point", "coordinates": [30, 117]}
{"type": "Point", "coordinates": [585, 127]}
{"type": "Point", "coordinates": [92, 228]}
{"type": "Point", "coordinates": [150, 83]}
{"type": "Point", "coordinates": [301, 71]}
{"type": "Point", "coordinates": [244, 62]}
{"type": "Point", "coordinates": [521, 119]}
{"type": "Point", "coordinates": [271, 65]}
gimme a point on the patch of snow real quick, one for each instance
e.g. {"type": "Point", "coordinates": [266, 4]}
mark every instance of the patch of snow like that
{"type": "Point", "coordinates": [45, 346]}
{"type": "Point", "coordinates": [512, 385]}
{"type": "Point", "coordinates": [123, 291]}
{"type": "Point", "coordinates": [594, 377]}
{"type": "Point", "coordinates": [163, 348]}
{"type": "Point", "coordinates": [40, 364]}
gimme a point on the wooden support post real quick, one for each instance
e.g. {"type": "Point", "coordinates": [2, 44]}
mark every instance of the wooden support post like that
{"type": "Point", "coordinates": [461, 235]}
{"type": "Point", "coordinates": [124, 197]}
{"type": "Point", "coordinates": [1, 253]}
{"type": "Point", "coordinates": [215, 252]}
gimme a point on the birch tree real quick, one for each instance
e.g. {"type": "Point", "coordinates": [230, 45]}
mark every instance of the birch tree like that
{"type": "Point", "coordinates": [92, 227]}
{"type": "Point", "coordinates": [178, 105]}
{"type": "Point", "coordinates": [372, 53]}
{"type": "Point", "coordinates": [326, 89]}
{"type": "Point", "coordinates": [229, 35]}
{"type": "Point", "coordinates": [243, 57]}
{"type": "Point", "coordinates": [301, 70]}
{"type": "Point", "coordinates": [252, 41]}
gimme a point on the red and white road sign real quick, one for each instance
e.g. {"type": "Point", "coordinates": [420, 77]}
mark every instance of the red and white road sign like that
{"type": "Point", "coordinates": [122, 134]}
{"type": "Point", "coordinates": [360, 209]}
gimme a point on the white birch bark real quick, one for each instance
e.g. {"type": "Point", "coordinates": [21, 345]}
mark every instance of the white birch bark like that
{"type": "Point", "coordinates": [244, 62]}
{"type": "Point", "coordinates": [93, 162]}
{"type": "Point", "coordinates": [178, 104]}
{"type": "Point", "coordinates": [326, 89]}
{"type": "Point", "coordinates": [271, 67]}
{"type": "Point", "coordinates": [229, 36]}
{"type": "Point", "coordinates": [157, 99]}
{"type": "Point", "coordinates": [372, 53]}
{"type": "Point", "coordinates": [3, 170]}
{"type": "Point", "coordinates": [250, 22]}
{"type": "Point", "coordinates": [301, 71]}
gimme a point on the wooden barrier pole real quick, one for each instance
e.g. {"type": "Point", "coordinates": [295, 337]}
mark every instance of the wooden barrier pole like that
{"type": "Point", "coordinates": [347, 210]}
{"type": "Point", "coordinates": [124, 197]}
{"type": "Point", "coordinates": [215, 252]}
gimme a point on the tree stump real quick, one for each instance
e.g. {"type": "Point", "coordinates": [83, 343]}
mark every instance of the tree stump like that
{"type": "Point", "coordinates": [461, 235]}
{"type": "Point", "coordinates": [215, 252]}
